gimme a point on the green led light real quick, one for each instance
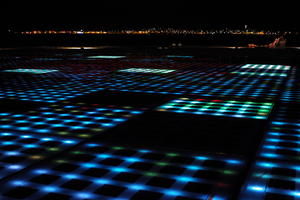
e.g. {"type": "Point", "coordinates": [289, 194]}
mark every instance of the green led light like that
{"type": "Point", "coordinates": [172, 154]}
{"type": "Point", "coordinates": [60, 161]}
{"type": "Point", "coordinates": [151, 174]}
{"type": "Point", "coordinates": [77, 152]}
{"type": "Point", "coordinates": [162, 163]}
{"type": "Point", "coordinates": [147, 70]}
{"type": "Point", "coordinates": [228, 172]}
{"type": "Point", "coordinates": [117, 148]}
{"type": "Point", "coordinates": [53, 149]}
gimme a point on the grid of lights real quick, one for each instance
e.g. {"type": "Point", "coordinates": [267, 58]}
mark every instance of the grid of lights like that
{"type": "Point", "coordinates": [210, 80]}
{"type": "Point", "coordinates": [282, 142]}
{"type": "Point", "coordinates": [50, 87]}
{"type": "Point", "coordinates": [49, 92]}
{"type": "Point", "coordinates": [261, 66]}
{"type": "Point", "coordinates": [291, 91]}
{"type": "Point", "coordinates": [273, 180]}
{"type": "Point", "coordinates": [276, 172]}
{"type": "Point", "coordinates": [212, 83]}
{"type": "Point", "coordinates": [227, 108]}
{"type": "Point", "coordinates": [260, 74]}
{"type": "Point", "coordinates": [106, 57]}
{"type": "Point", "coordinates": [97, 171]}
{"type": "Point", "coordinates": [31, 71]}
{"type": "Point", "coordinates": [147, 70]}
{"type": "Point", "coordinates": [20, 151]}
{"type": "Point", "coordinates": [67, 119]}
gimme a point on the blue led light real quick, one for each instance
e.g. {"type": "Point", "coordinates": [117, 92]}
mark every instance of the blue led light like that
{"type": "Point", "coordinates": [132, 159]}
{"type": "Point", "coordinates": [41, 171]}
{"type": "Point", "coordinates": [184, 178]}
{"type": "Point", "coordinates": [257, 188]}
{"type": "Point", "coordinates": [89, 165]}
{"type": "Point", "coordinates": [70, 176]}
{"type": "Point", "coordinates": [119, 169]}
{"type": "Point", "coordinates": [103, 156]}
{"type": "Point", "coordinates": [18, 183]}
{"type": "Point", "coordinates": [15, 167]}
{"type": "Point", "coordinates": [50, 189]}
{"type": "Point", "coordinates": [137, 187]}
{"type": "Point", "coordinates": [172, 192]}
{"type": "Point", "coordinates": [83, 195]}
{"type": "Point", "coordinates": [191, 167]}
{"type": "Point", "coordinates": [201, 158]}
{"type": "Point", "coordinates": [102, 181]}
{"type": "Point", "coordinates": [234, 162]}
{"type": "Point", "coordinates": [266, 164]}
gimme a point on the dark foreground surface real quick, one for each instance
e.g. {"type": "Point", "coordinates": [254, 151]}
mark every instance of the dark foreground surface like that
{"type": "Point", "coordinates": [149, 123]}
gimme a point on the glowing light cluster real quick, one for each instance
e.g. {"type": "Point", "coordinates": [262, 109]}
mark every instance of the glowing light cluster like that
{"type": "Point", "coordinates": [77, 119]}
{"type": "Point", "coordinates": [260, 74]}
{"type": "Point", "coordinates": [147, 70]}
{"type": "Point", "coordinates": [227, 108]}
{"type": "Point", "coordinates": [291, 91]}
{"type": "Point", "coordinates": [97, 171]}
{"type": "Point", "coordinates": [262, 66]}
{"type": "Point", "coordinates": [31, 71]}
{"type": "Point", "coordinates": [282, 142]}
{"type": "Point", "coordinates": [18, 151]}
{"type": "Point", "coordinates": [272, 180]}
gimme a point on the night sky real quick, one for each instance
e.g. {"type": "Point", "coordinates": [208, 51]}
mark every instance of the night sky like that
{"type": "Point", "coordinates": [130, 14]}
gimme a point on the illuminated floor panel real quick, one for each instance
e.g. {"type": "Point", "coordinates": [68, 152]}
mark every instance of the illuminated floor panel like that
{"type": "Point", "coordinates": [31, 71]}
{"type": "Point", "coordinates": [96, 171]}
{"type": "Point", "coordinates": [291, 91]}
{"type": "Point", "coordinates": [76, 120]}
{"type": "Point", "coordinates": [260, 74]}
{"type": "Point", "coordinates": [227, 108]}
{"type": "Point", "coordinates": [210, 80]}
{"type": "Point", "coordinates": [18, 151]}
{"type": "Point", "coordinates": [108, 57]}
{"type": "Point", "coordinates": [145, 70]}
{"type": "Point", "coordinates": [282, 142]}
{"type": "Point", "coordinates": [47, 88]}
{"type": "Point", "coordinates": [272, 181]}
{"type": "Point", "coordinates": [264, 66]}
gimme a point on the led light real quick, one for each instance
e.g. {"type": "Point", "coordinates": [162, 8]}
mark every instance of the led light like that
{"type": "Point", "coordinates": [137, 187]}
{"type": "Point", "coordinates": [50, 189]}
{"type": "Point", "coordinates": [18, 183]}
{"type": "Point", "coordinates": [70, 176]}
{"type": "Point", "coordinates": [257, 188]}
{"type": "Point", "coordinates": [15, 167]}
{"type": "Point", "coordinates": [102, 181]}
{"type": "Point", "coordinates": [184, 178]}
{"type": "Point", "coordinates": [172, 192]}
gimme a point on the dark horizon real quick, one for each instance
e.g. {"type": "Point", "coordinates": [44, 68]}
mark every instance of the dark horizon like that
{"type": "Point", "coordinates": [212, 14]}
